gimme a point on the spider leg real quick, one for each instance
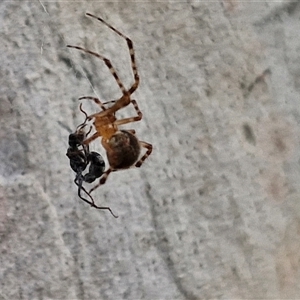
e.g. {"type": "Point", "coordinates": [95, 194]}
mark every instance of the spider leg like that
{"type": "Point", "coordinates": [90, 139]}
{"type": "Point", "coordinates": [148, 152]}
{"type": "Point", "coordinates": [102, 179]}
{"type": "Point", "coordinates": [131, 119]}
{"type": "Point", "coordinates": [108, 64]}
{"type": "Point", "coordinates": [111, 101]}
{"type": "Point", "coordinates": [132, 131]}
{"type": "Point", "coordinates": [125, 99]}
{"type": "Point", "coordinates": [118, 122]}
{"type": "Point", "coordinates": [118, 104]}
{"type": "Point", "coordinates": [131, 52]}
{"type": "Point", "coordinates": [97, 101]}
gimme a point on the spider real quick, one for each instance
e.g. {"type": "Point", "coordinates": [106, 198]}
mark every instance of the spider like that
{"type": "Point", "coordinates": [79, 160]}
{"type": "Point", "coordinates": [122, 146]}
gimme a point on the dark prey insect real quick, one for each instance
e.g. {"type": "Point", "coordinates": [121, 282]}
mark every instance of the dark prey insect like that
{"type": "Point", "coordinates": [80, 157]}
{"type": "Point", "coordinates": [122, 146]}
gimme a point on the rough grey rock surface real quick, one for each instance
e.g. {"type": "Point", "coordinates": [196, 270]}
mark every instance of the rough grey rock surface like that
{"type": "Point", "coordinates": [214, 213]}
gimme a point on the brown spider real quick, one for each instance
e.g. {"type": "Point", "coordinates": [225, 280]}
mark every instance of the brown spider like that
{"type": "Point", "coordinates": [122, 146]}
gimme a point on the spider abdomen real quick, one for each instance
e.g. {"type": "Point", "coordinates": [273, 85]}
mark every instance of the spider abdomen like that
{"type": "Point", "coordinates": [124, 150]}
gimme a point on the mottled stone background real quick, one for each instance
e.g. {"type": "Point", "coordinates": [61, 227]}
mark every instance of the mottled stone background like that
{"type": "Point", "coordinates": [214, 213]}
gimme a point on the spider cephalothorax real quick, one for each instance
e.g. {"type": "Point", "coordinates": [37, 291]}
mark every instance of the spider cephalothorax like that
{"type": "Point", "coordinates": [122, 146]}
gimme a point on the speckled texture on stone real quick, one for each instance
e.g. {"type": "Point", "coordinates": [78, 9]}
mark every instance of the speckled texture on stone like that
{"type": "Point", "coordinates": [214, 213]}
